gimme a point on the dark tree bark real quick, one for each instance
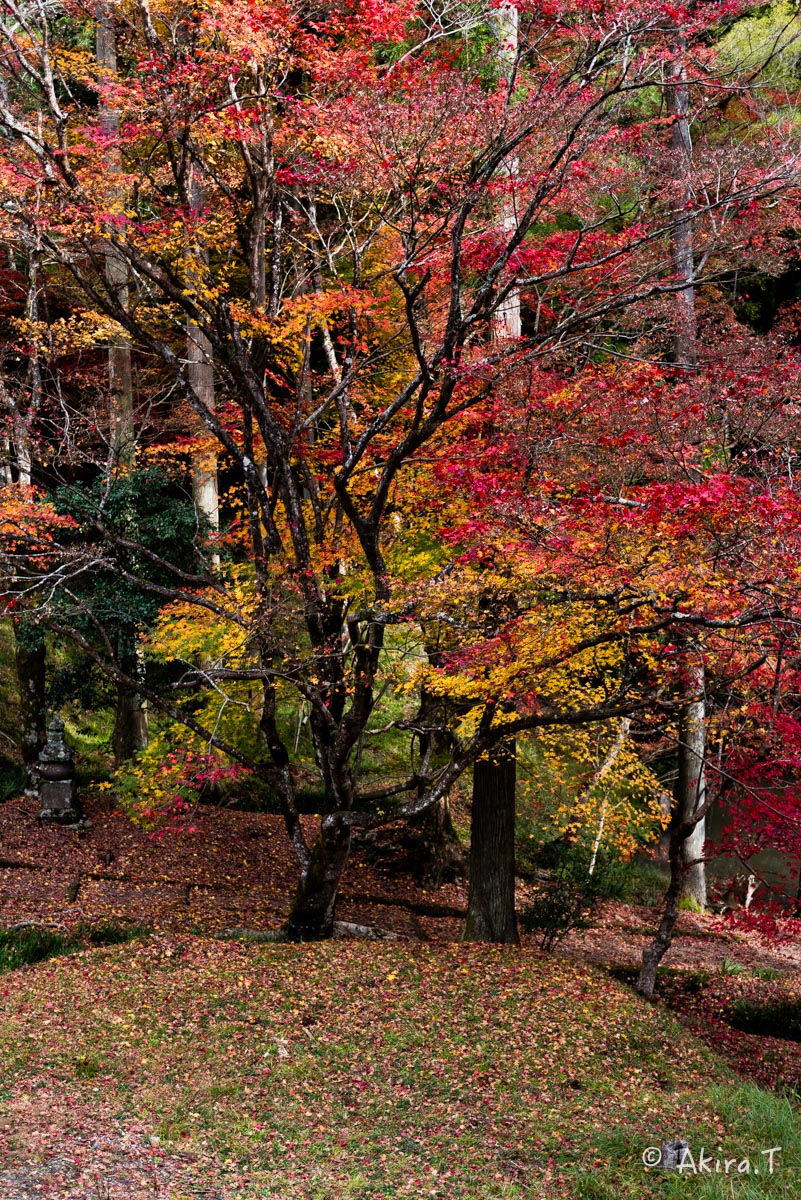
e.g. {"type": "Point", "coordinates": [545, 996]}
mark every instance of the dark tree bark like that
{"type": "Point", "coordinates": [30, 664]}
{"type": "Point", "coordinates": [491, 901]}
{"type": "Point", "coordinates": [130, 719]}
{"type": "Point", "coordinates": [435, 852]}
{"type": "Point", "coordinates": [311, 918]}
{"type": "Point", "coordinates": [663, 938]}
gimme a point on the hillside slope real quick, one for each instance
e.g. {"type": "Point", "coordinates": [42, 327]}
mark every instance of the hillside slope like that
{"type": "Point", "coordinates": [218, 1071]}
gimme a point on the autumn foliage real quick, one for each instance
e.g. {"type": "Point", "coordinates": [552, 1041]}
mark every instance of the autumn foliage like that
{"type": "Point", "coordinates": [430, 537]}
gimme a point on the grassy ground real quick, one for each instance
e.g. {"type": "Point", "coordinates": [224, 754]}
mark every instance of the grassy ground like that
{"type": "Point", "coordinates": [359, 1071]}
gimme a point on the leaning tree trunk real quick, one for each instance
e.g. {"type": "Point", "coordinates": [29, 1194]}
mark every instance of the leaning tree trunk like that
{"type": "Point", "coordinates": [654, 953]}
{"type": "Point", "coordinates": [311, 918]}
{"type": "Point", "coordinates": [491, 902]}
{"type": "Point", "coordinates": [687, 834]}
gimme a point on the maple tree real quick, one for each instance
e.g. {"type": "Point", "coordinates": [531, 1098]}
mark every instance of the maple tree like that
{"type": "Point", "coordinates": [313, 202]}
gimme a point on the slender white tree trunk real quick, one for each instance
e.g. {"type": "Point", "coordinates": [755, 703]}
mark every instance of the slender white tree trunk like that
{"type": "Point", "coordinates": [691, 789]}
{"type": "Point", "coordinates": [691, 782]}
{"type": "Point", "coordinates": [598, 777]}
{"type": "Point", "coordinates": [122, 434]}
{"type": "Point", "coordinates": [505, 22]}
{"type": "Point", "coordinates": [30, 649]}
{"type": "Point", "coordinates": [200, 368]}
{"type": "Point", "coordinates": [26, 406]}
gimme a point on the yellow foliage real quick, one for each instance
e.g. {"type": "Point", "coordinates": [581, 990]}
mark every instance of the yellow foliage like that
{"type": "Point", "coordinates": [82, 330]}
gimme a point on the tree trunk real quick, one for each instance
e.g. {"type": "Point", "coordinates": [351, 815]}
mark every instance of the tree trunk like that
{"type": "Point", "coordinates": [30, 665]}
{"type": "Point", "coordinates": [436, 853]}
{"type": "Point", "coordinates": [652, 955]}
{"type": "Point", "coordinates": [687, 832]}
{"type": "Point", "coordinates": [200, 370]}
{"type": "Point", "coordinates": [130, 725]}
{"type": "Point", "coordinates": [691, 784]}
{"type": "Point", "coordinates": [130, 722]}
{"type": "Point", "coordinates": [30, 650]}
{"type": "Point", "coordinates": [122, 437]}
{"type": "Point", "coordinates": [491, 901]}
{"type": "Point", "coordinates": [434, 850]}
{"type": "Point", "coordinates": [691, 794]}
{"type": "Point", "coordinates": [685, 332]}
{"type": "Point", "coordinates": [504, 21]}
{"type": "Point", "coordinates": [598, 777]}
{"type": "Point", "coordinates": [311, 918]}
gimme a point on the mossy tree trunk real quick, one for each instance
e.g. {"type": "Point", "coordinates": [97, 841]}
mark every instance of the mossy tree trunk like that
{"type": "Point", "coordinates": [130, 720]}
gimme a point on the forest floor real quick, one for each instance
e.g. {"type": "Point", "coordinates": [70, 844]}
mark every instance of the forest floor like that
{"type": "Point", "coordinates": [186, 1065]}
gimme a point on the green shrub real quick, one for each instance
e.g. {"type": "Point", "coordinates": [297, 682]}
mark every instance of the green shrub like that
{"type": "Point", "coordinates": [730, 967]}
{"type": "Point", "coordinates": [110, 933]}
{"type": "Point", "coordinates": [12, 782]}
{"type": "Point", "coordinates": [766, 973]}
{"type": "Point", "coordinates": [779, 1017]}
{"type": "Point", "coordinates": [33, 944]}
{"type": "Point", "coordinates": [645, 883]}
{"type": "Point", "coordinates": [567, 900]}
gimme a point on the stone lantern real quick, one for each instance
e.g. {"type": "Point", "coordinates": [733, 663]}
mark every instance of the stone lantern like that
{"type": "Point", "coordinates": [56, 775]}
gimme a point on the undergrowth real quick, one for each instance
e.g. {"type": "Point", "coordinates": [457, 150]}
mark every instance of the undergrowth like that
{"type": "Point", "coordinates": [21, 946]}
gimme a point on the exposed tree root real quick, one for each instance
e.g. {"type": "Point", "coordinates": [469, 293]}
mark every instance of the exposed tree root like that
{"type": "Point", "coordinates": [423, 908]}
{"type": "Point", "coordinates": [342, 929]}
